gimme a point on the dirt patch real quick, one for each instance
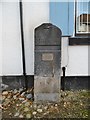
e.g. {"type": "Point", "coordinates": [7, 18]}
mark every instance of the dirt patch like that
{"type": "Point", "coordinates": [73, 104]}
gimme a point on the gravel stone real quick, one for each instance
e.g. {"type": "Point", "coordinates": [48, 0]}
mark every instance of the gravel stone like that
{"type": "Point", "coordinates": [26, 109]}
{"type": "Point", "coordinates": [56, 105]}
{"type": "Point", "coordinates": [24, 101]}
{"type": "Point", "coordinates": [20, 89]}
{"type": "Point", "coordinates": [28, 115]}
{"type": "Point", "coordinates": [23, 94]}
{"type": "Point", "coordinates": [15, 91]}
{"type": "Point", "coordinates": [46, 107]}
{"type": "Point", "coordinates": [14, 97]}
{"type": "Point", "coordinates": [34, 113]}
{"type": "Point", "coordinates": [21, 116]}
{"type": "Point", "coordinates": [16, 114]}
{"type": "Point", "coordinates": [28, 96]}
{"type": "Point", "coordinates": [21, 99]}
{"type": "Point", "coordinates": [5, 93]}
{"type": "Point", "coordinates": [39, 110]}
{"type": "Point", "coordinates": [27, 104]}
{"type": "Point", "coordinates": [7, 101]}
{"type": "Point", "coordinates": [73, 105]}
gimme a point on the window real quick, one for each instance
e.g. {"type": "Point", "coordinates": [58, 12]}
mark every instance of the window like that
{"type": "Point", "coordinates": [63, 15]}
{"type": "Point", "coordinates": [83, 16]}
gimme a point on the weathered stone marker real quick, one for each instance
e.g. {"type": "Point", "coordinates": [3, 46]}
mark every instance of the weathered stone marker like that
{"type": "Point", "coordinates": [47, 63]}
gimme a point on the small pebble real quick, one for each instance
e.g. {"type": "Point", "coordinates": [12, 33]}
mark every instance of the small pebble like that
{"type": "Point", "coordinates": [9, 96]}
{"type": "Point", "coordinates": [5, 93]}
{"type": "Point", "coordinates": [26, 109]}
{"type": "Point", "coordinates": [8, 105]}
{"type": "Point", "coordinates": [68, 103]}
{"type": "Point", "coordinates": [81, 104]}
{"type": "Point", "coordinates": [45, 107]}
{"type": "Point", "coordinates": [31, 106]}
{"type": "Point", "coordinates": [23, 94]}
{"type": "Point", "coordinates": [29, 96]}
{"type": "Point", "coordinates": [15, 91]}
{"type": "Point", "coordinates": [14, 97]}
{"type": "Point", "coordinates": [28, 116]}
{"type": "Point", "coordinates": [39, 110]}
{"type": "Point", "coordinates": [46, 113]}
{"type": "Point", "coordinates": [39, 106]}
{"type": "Point", "coordinates": [17, 105]}
{"type": "Point", "coordinates": [27, 104]}
{"type": "Point", "coordinates": [65, 104]}
{"type": "Point", "coordinates": [65, 94]}
{"type": "Point", "coordinates": [20, 104]}
{"type": "Point", "coordinates": [3, 97]}
{"type": "Point", "coordinates": [16, 114]}
{"type": "Point", "coordinates": [51, 106]}
{"type": "Point", "coordinates": [34, 113]}
{"type": "Point", "coordinates": [56, 105]}
{"type": "Point", "coordinates": [24, 101]}
{"type": "Point", "coordinates": [21, 116]}
{"type": "Point", "coordinates": [7, 101]}
{"type": "Point", "coordinates": [21, 89]}
{"type": "Point", "coordinates": [35, 106]}
{"type": "Point", "coordinates": [10, 113]}
{"type": "Point", "coordinates": [21, 99]}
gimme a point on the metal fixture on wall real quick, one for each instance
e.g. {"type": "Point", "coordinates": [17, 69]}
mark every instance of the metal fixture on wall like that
{"type": "Point", "coordinates": [22, 40]}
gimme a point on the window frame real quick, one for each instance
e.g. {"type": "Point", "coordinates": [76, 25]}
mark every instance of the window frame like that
{"type": "Point", "coordinates": [76, 11]}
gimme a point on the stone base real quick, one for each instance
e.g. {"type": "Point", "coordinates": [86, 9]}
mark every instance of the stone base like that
{"type": "Point", "coordinates": [46, 88]}
{"type": "Point", "coordinates": [51, 97]}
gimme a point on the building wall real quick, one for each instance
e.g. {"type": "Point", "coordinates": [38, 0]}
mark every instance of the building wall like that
{"type": "Point", "coordinates": [0, 39]}
{"type": "Point", "coordinates": [34, 15]}
{"type": "Point", "coordinates": [11, 39]}
{"type": "Point", "coordinates": [74, 57]}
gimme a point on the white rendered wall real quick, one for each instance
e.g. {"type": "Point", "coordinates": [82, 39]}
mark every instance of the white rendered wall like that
{"type": "Point", "coordinates": [78, 61]}
{"type": "Point", "coordinates": [11, 40]}
{"type": "Point", "coordinates": [75, 58]}
{"type": "Point", "coordinates": [89, 60]}
{"type": "Point", "coordinates": [35, 13]}
{"type": "Point", "coordinates": [64, 52]}
{"type": "Point", "coordinates": [0, 39]}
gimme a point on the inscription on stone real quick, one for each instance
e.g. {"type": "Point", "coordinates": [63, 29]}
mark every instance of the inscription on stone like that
{"type": "Point", "coordinates": [47, 56]}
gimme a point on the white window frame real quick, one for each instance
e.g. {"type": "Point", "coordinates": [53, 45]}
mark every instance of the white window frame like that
{"type": "Point", "coordinates": [81, 27]}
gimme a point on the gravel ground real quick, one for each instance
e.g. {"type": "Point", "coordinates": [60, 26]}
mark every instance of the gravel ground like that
{"type": "Point", "coordinates": [18, 104]}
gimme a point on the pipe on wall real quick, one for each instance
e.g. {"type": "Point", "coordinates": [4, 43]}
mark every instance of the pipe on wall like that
{"type": "Point", "coordinates": [63, 79]}
{"type": "Point", "coordinates": [22, 43]}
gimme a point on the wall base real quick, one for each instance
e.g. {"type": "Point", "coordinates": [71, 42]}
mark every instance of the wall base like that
{"type": "Point", "coordinates": [16, 82]}
{"type": "Point", "coordinates": [71, 82]}
{"type": "Point", "coordinates": [76, 82]}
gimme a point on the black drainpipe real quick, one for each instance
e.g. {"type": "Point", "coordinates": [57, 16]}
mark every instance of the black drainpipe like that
{"type": "Point", "coordinates": [63, 79]}
{"type": "Point", "coordinates": [22, 42]}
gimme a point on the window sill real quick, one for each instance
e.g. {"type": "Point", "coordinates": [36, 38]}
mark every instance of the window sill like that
{"type": "Point", "coordinates": [79, 40]}
{"type": "Point", "coordinates": [83, 34]}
